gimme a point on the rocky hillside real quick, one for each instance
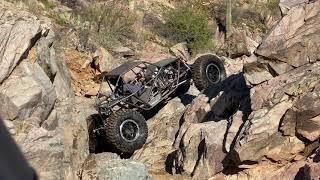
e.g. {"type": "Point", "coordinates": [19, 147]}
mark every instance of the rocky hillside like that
{"type": "Point", "coordinates": [262, 122]}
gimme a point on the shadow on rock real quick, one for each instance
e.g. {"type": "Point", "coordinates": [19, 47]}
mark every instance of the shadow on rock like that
{"type": "Point", "coordinates": [186, 98]}
{"type": "Point", "coordinates": [227, 98]}
{"type": "Point", "coordinates": [148, 114]}
{"type": "Point", "coordinates": [230, 102]}
{"type": "Point", "coordinates": [210, 128]}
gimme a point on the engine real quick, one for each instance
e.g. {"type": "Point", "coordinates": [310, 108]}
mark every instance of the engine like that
{"type": "Point", "coordinates": [167, 78]}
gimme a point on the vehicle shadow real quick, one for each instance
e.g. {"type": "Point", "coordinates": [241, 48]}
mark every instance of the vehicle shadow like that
{"type": "Point", "coordinates": [186, 99]}
{"type": "Point", "coordinates": [227, 98]}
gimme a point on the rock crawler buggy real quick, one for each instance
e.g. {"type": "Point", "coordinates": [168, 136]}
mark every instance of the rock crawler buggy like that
{"type": "Point", "coordinates": [140, 86]}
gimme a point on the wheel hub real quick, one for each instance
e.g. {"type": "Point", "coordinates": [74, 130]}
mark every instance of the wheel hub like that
{"type": "Point", "coordinates": [213, 73]}
{"type": "Point", "coordinates": [129, 130]}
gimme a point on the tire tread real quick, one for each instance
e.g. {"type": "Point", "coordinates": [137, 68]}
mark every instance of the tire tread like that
{"type": "Point", "coordinates": [113, 137]}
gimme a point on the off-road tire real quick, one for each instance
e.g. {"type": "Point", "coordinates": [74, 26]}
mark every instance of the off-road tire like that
{"type": "Point", "coordinates": [114, 136]}
{"type": "Point", "coordinates": [199, 74]}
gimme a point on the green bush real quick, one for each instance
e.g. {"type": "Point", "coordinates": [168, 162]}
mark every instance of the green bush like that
{"type": "Point", "coordinates": [62, 18]}
{"type": "Point", "coordinates": [188, 24]}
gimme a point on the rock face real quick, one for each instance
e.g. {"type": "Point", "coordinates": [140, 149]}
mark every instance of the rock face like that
{"type": "Point", "coordinates": [28, 92]}
{"type": "Point", "coordinates": [286, 5]}
{"type": "Point", "coordinates": [295, 43]}
{"type": "Point", "coordinates": [270, 102]}
{"type": "Point", "coordinates": [28, 95]}
{"type": "Point", "coordinates": [284, 99]}
{"type": "Point", "coordinates": [268, 131]}
{"type": "Point", "coordinates": [257, 73]}
{"type": "Point", "coordinates": [19, 30]}
{"type": "Point", "coordinates": [38, 105]}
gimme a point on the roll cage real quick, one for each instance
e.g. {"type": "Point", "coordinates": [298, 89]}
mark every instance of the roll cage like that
{"type": "Point", "coordinates": [159, 81]}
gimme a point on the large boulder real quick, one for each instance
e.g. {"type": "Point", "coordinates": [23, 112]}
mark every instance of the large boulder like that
{"type": "Point", "coordinates": [295, 39]}
{"type": "Point", "coordinates": [44, 151]}
{"type": "Point", "coordinates": [44, 51]}
{"type": "Point", "coordinates": [197, 110]}
{"type": "Point", "coordinates": [202, 139]}
{"type": "Point", "coordinates": [110, 166]}
{"type": "Point", "coordinates": [235, 66]}
{"type": "Point", "coordinates": [233, 129]}
{"type": "Point", "coordinates": [54, 66]}
{"type": "Point", "coordinates": [310, 128]}
{"type": "Point", "coordinates": [286, 5]}
{"type": "Point", "coordinates": [257, 72]}
{"type": "Point", "coordinates": [239, 44]}
{"type": "Point", "coordinates": [19, 30]}
{"type": "Point", "coordinates": [200, 152]}
{"type": "Point", "coordinates": [288, 124]}
{"type": "Point", "coordinates": [307, 110]}
{"type": "Point", "coordinates": [163, 128]}
{"type": "Point", "coordinates": [27, 92]}
{"type": "Point", "coordinates": [103, 60]}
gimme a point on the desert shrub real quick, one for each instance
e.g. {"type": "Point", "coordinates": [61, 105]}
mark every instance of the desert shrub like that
{"type": "Point", "coordinates": [106, 23]}
{"type": "Point", "coordinates": [187, 24]}
{"type": "Point", "coordinates": [70, 3]}
{"type": "Point", "coordinates": [251, 18]}
{"type": "Point", "coordinates": [47, 4]}
{"type": "Point", "coordinates": [36, 8]}
{"type": "Point", "coordinates": [271, 8]}
{"type": "Point", "coordinates": [61, 18]}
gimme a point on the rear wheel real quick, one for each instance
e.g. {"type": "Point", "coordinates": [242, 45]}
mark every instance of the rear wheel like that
{"type": "Point", "coordinates": [208, 70]}
{"type": "Point", "coordinates": [126, 130]}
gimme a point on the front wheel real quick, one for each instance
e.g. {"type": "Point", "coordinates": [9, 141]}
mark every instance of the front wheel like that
{"type": "Point", "coordinates": [208, 70]}
{"type": "Point", "coordinates": [126, 130]}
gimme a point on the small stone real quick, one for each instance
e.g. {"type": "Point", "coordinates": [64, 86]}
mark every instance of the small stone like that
{"type": "Point", "coordinates": [52, 122]}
